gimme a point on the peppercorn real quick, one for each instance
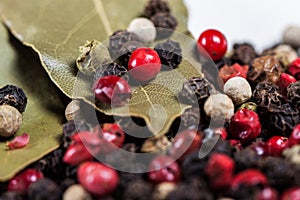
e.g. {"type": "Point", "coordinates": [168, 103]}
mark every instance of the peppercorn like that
{"type": "Point", "coordinates": [156, 6]}
{"type": "Point", "coordinates": [284, 53]}
{"type": "Point", "coordinates": [196, 90]}
{"type": "Point", "coordinates": [165, 24]}
{"type": "Point", "coordinates": [292, 154]}
{"type": "Point", "coordinates": [44, 189]}
{"type": "Point", "coordinates": [190, 118]}
{"type": "Point", "coordinates": [143, 28]}
{"type": "Point", "coordinates": [138, 189]}
{"type": "Point", "coordinates": [92, 54]}
{"type": "Point", "coordinates": [293, 95]}
{"type": "Point", "coordinates": [117, 40]}
{"type": "Point", "coordinates": [72, 110]}
{"type": "Point", "coordinates": [126, 51]}
{"type": "Point", "coordinates": [222, 62]}
{"type": "Point", "coordinates": [162, 190]}
{"type": "Point", "coordinates": [13, 96]}
{"type": "Point", "coordinates": [111, 69]}
{"type": "Point", "coordinates": [76, 192]}
{"type": "Point", "coordinates": [170, 53]}
{"type": "Point", "coordinates": [11, 196]}
{"type": "Point", "coordinates": [245, 159]}
{"type": "Point", "coordinates": [266, 95]}
{"type": "Point", "coordinates": [243, 53]}
{"type": "Point", "coordinates": [10, 120]}
{"type": "Point", "coordinates": [238, 89]}
{"type": "Point", "coordinates": [264, 68]}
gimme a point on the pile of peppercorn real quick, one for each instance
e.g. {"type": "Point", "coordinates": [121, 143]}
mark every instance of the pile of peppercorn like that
{"type": "Point", "coordinates": [255, 113]}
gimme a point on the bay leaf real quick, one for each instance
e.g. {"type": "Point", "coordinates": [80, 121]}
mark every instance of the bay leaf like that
{"type": "Point", "coordinates": [55, 30]}
{"type": "Point", "coordinates": [43, 116]}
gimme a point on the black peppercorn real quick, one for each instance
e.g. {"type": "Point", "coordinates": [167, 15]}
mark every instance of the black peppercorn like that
{"type": "Point", "coordinates": [156, 6]}
{"type": "Point", "coordinates": [111, 69]}
{"type": "Point", "coordinates": [117, 40]}
{"type": "Point", "coordinates": [44, 189]}
{"type": "Point", "coordinates": [196, 90]}
{"type": "Point", "coordinates": [165, 23]}
{"type": "Point", "coordinates": [191, 118]}
{"type": "Point", "coordinates": [266, 95]}
{"type": "Point", "coordinates": [245, 159]}
{"type": "Point", "coordinates": [126, 51]}
{"type": "Point", "coordinates": [222, 62]}
{"type": "Point", "coordinates": [11, 196]}
{"type": "Point", "coordinates": [170, 53]}
{"type": "Point", "coordinates": [13, 96]}
{"type": "Point", "coordinates": [138, 190]}
{"type": "Point", "coordinates": [293, 95]}
{"type": "Point", "coordinates": [243, 53]}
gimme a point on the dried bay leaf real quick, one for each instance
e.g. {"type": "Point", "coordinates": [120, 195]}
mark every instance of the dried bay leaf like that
{"type": "Point", "coordinates": [43, 117]}
{"type": "Point", "coordinates": [55, 30]}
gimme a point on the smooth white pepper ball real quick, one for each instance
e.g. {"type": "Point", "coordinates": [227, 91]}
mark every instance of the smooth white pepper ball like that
{"type": "Point", "coordinates": [219, 106]}
{"type": "Point", "coordinates": [143, 28]}
{"type": "Point", "coordinates": [76, 192]}
{"type": "Point", "coordinates": [238, 89]}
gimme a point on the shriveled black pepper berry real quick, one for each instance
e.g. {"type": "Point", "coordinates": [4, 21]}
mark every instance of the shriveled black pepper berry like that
{"type": "Point", "coordinates": [170, 53]}
{"type": "Point", "coordinates": [70, 128]}
{"type": "Point", "coordinates": [279, 120]}
{"type": "Point", "coordinates": [156, 6]}
{"type": "Point", "coordinates": [246, 192]}
{"type": "Point", "coordinates": [111, 69]}
{"type": "Point", "coordinates": [44, 189]}
{"type": "Point", "coordinates": [138, 190]}
{"type": "Point", "coordinates": [166, 24]}
{"type": "Point", "coordinates": [196, 90]}
{"type": "Point", "coordinates": [125, 180]}
{"type": "Point", "coordinates": [243, 53]}
{"type": "Point", "coordinates": [293, 95]}
{"type": "Point", "coordinates": [191, 118]}
{"type": "Point", "coordinates": [222, 62]}
{"type": "Point", "coordinates": [245, 159]}
{"type": "Point", "coordinates": [13, 96]}
{"type": "Point", "coordinates": [117, 40]}
{"type": "Point", "coordinates": [185, 191]}
{"type": "Point", "coordinates": [279, 172]}
{"type": "Point", "coordinates": [126, 51]}
{"type": "Point", "coordinates": [11, 196]}
{"type": "Point", "coordinates": [266, 95]}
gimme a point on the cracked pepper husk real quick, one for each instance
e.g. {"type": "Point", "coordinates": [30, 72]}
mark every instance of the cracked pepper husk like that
{"type": "Point", "coordinates": [13, 96]}
{"type": "Point", "coordinates": [196, 90]}
{"type": "Point", "coordinates": [170, 53]}
{"type": "Point", "coordinates": [156, 6]}
{"type": "Point", "coordinates": [243, 53]}
{"type": "Point", "coordinates": [110, 69]}
{"type": "Point", "coordinates": [117, 40]}
{"type": "Point", "coordinates": [293, 95]}
{"type": "Point", "coordinates": [264, 68]}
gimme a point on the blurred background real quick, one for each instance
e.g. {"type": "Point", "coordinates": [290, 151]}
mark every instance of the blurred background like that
{"type": "Point", "coordinates": [259, 22]}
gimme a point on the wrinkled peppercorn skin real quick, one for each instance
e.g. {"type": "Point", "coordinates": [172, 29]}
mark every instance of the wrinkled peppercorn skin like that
{"type": "Point", "coordinates": [243, 53]}
{"type": "Point", "coordinates": [13, 96]}
{"type": "Point", "coordinates": [293, 95]}
{"type": "Point", "coordinates": [111, 69]}
{"type": "Point", "coordinates": [156, 6]}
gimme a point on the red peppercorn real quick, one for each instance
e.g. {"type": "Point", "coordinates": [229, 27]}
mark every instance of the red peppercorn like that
{"type": "Point", "coordinates": [284, 81]}
{"type": "Point", "coordinates": [228, 72]}
{"type": "Point", "coordinates": [185, 142]}
{"type": "Point", "coordinates": [144, 64]}
{"type": "Point", "coordinates": [112, 90]}
{"type": "Point", "coordinates": [267, 193]}
{"type": "Point", "coordinates": [291, 194]}
{"type": "Point", "coordinates": [214, 43]}
{"type": "Point", "coordinates": [222, 132]}
{"type": "Point", "coordinates": [249, 177]}
{"type": "Point", "coordinates": [113, 133]}
{"type": "Point", "coordinates": [260, 147]}
{"type": "Point", "coordinates": [164, 169]}
{"type": "Point", "coordinates": [219, 170]}
{"type": "Point", "coordinates": [245, 125]}
{"type": "Point", "coordinates": [277, 144]}
{"type": "Point", "coordinates": [21, 182]}
{"type": "Point", "coordinates": [294, 68]}
{"type": "Point", "coordinates": [97, 178]}
{"type": "Point", "coordinates": [295, 136]}
{"type": "Point", "coordinates": [76, 154]}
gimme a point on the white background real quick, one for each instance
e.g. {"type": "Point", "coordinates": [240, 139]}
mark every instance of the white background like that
{"type": "Point", "coordinates": [260, 22]}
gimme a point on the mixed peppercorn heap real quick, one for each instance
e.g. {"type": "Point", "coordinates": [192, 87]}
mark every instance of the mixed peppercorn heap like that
{"type": "Point", "coordinates": [255, 114]}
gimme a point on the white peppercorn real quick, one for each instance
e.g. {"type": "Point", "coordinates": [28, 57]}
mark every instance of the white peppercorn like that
{"type": "Point", "coordinates": [291, 36]}
{"type": "Point", "coordinates": [219, 105]}
{"type": "Point", "coordinates": [162, 190]}
{"type": "Point", "coordinates": [72, 110]}
{"type": "Point", "coordinates": [238, 89]}
{"type": "Point", "coordinates": [76, 192]}
{"type": "Point", "coordinates": [143, 28]}
{"type": "Point", "coordinates": [293, 154]}
{"type": "Point", "coordinates": [10, 120]}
